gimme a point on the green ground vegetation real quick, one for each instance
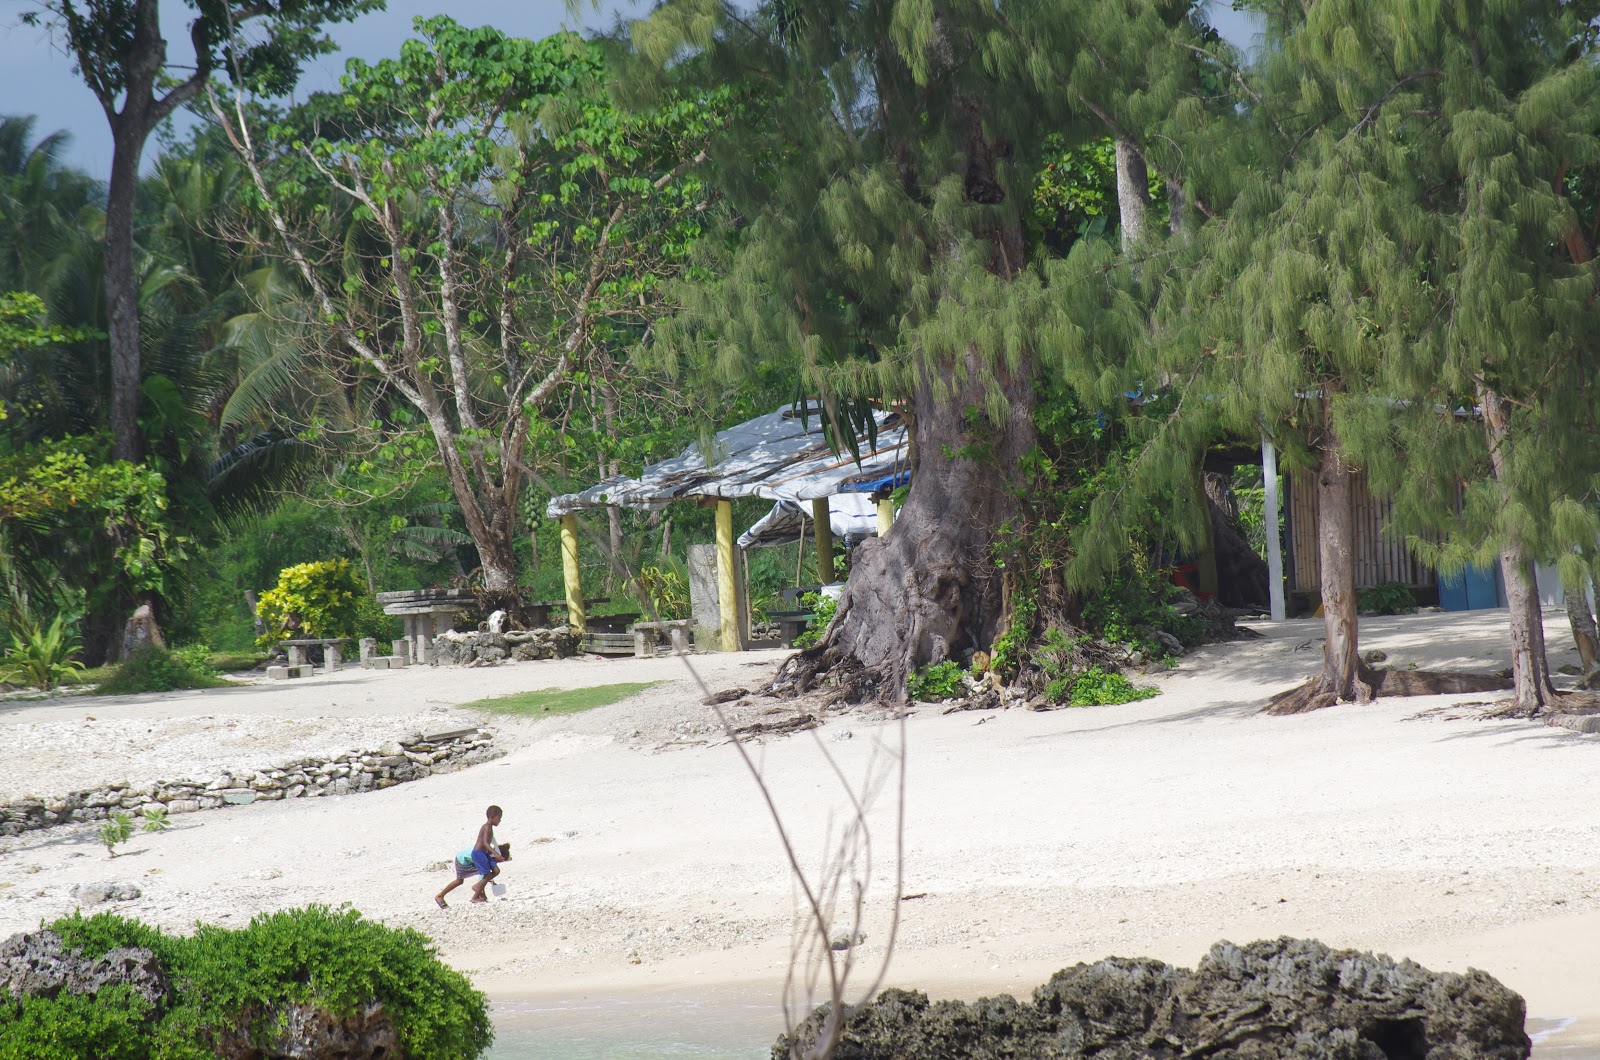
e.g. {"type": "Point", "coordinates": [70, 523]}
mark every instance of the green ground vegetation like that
{"type": "Point", "coordinates": [546, 701]}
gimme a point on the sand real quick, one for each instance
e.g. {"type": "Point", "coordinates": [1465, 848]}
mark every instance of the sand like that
{"type": "Point", "coordinates": [648, 866]}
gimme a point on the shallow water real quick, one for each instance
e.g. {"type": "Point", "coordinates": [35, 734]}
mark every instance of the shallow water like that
{"type": "Point", "coordinates": [619, 1029]}
{"type": "Point", "coordinates": [624, 1029]}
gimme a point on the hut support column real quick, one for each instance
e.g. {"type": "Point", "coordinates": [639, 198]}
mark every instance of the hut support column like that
{"type": "Point", "coordinates": [1269, 478]}
{"type": "Point", "coordinates": [822, 531]}
{"type": "Point", "coordinates": [569, 571]}
{"type": "Point", "coordinates": [727, 580]}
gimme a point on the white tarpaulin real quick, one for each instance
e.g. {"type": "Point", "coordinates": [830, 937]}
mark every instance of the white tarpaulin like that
{"type": "Point", "coordinates": [776, 456]}
{"type": "Point", "coordinates": [852, 516]}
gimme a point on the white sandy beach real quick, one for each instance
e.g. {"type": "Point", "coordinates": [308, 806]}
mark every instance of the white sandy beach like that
{"type": "Point", "coordinates": [647, 866]}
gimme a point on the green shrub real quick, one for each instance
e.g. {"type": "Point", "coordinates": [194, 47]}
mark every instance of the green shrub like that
{"type": "Point", "coordinates": [228, 979]}
{"type": "Point", "coordinates": [324, 599]}
{"type": "Point", "coordinates": [1132, 607]}
{"type": "Point", "coordinates": [1100, 688]}
{"type": "Point", "coordinates": [197, 657]}
{"type": "Point", "coordinates": [822, 609]}
{"type": "Point", "coordinates": [941, 680]}
{"type": "Point", "coordinates": [112, 1025]}
{"type": "Point", "coordinates": [665, 587]}
{"type": "Point", "coordinates": [40, 656]}
{"type": "Point", "coordinates": [155, 669]}
{"type": "Point", "coordinates": [1386, 598]}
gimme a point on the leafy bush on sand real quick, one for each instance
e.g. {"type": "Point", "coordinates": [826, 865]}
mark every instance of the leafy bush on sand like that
{"type": "Point", "coordinates": [235, 986]}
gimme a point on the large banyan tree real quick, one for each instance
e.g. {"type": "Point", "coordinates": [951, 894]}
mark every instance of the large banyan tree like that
{"type": "Point", "coordinates": [881, 177]}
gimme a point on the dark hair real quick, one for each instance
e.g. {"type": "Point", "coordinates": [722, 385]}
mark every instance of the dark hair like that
{"type": "Point", "coordinates": [494, 811]}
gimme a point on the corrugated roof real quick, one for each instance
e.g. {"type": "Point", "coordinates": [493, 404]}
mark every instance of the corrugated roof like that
{"type": "Point", "coordinates": [780, 456]}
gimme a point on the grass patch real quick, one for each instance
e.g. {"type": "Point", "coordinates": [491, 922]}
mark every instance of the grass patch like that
{"type": "Point", "coordinates": [545, 701]}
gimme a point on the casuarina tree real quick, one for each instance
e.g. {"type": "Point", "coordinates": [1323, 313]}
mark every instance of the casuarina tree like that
{"type": "Point", "coordinates": [881, 176]}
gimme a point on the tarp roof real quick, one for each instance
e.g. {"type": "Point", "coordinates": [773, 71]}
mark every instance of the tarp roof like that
{"type": "Point", "coordinates": [852, 517]}
{"type": "Point", "coordinates": [778, 456]}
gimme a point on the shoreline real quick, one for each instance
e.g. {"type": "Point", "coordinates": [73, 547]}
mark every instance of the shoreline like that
{"type": "Point", "coordinates": [646, 862]}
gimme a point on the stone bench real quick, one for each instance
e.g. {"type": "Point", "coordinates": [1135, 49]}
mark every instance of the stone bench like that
{"type": "Point", "coordinates": [647, 636]}
{"type": "Point", "coordinates": [790, 624]}
{"type": "Point", "coordinates": [299, 666]}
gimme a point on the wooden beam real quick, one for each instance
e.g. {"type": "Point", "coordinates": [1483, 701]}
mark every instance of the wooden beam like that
{"type": "Point", "coordinates": [1269, 477]}
{"type": "Point", "coordinates": [569, 571]}
{"type": "Point", "coordinates": [727, 579]}
{"type": "Point", "coordinates": [822, 531]}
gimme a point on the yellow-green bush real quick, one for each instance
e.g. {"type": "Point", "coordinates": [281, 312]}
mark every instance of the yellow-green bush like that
{"type": "Point", "coordinates": [323, 599]}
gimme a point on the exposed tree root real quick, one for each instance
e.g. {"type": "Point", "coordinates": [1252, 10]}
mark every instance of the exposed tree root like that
{"type": "Point", "coordinates": [1580, 702]}
{"type": "Point", "coordinates": [1372, 684]}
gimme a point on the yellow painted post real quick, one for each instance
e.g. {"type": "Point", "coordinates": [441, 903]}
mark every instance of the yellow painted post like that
{"type": "Point", "coordinates": [822, 530]}
{"type": "Point", "coordinates": [569, 571]}
{"type": "Point", "coordinates": [727, 579]}
{"type": "Point", "coordinates": [885, 515]}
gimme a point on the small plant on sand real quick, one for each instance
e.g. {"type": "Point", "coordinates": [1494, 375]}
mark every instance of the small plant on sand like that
{"type": "Point", "coordinates": [1097, 688]}
{"type": "Point", "coordinates": [118, 829]}
{"type": "Point", "coordinates": [939, 681]}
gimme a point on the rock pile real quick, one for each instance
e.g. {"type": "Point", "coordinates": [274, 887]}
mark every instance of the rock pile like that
{"type": "Point", "coordinates": [396, 762]}
{"type": "Point", "coordinates": [39, 965]}
{"type": "Point", "coordinates": [483, 649]}
{"type": "Point", "coordinates": [1289, 998]}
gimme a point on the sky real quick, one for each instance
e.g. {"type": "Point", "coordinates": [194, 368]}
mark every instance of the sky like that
{"type": "Point", "coordinates": [36, 74]}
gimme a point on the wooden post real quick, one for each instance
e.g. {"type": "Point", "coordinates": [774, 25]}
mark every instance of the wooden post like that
{"type": "Point", "coordinates": [727, 579]}
{"type": "Point", "coordinates": [822, 531]}
{"type": "Point", "coordinates": [569, 571]}
{"type": "Point", "coordinates": [885, 515]}
{"type": "Point", "coordinates": [1269, 477]}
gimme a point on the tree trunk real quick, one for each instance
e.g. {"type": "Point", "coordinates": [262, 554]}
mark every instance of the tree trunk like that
{"type": "Point", "coordinates": [1133, 192]}
{"type": "Point", "coordinates": [1584, 634]}
{"type": "Point", "coordinates": [122, 294]}
{"type": "Point", "coordinates": [929, 590]}
{"type": "Point", "coordinates": [1242, 576]}
{"type": "Point", "coordinates": [1530, 666]}
{"type": "Point", "coordinates": [497, 559]}
{"type": "Point", "coordinates": [1344, 677]}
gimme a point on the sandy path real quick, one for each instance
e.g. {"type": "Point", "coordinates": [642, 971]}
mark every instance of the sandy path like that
{"type": "Point", "coordinates": [1039, 839]}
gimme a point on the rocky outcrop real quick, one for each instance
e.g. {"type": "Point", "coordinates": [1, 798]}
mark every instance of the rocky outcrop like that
{"type": "Point", "coordinates": [307, 1032]}
{"type": "Point", "coordinates": [485, 648]}
{"type": "Point", "coordinates": [410, 758]}
{"type": "Point", "coordinates": [1289, 998]}
{"type": "Point", "coordinates": [38, 964]}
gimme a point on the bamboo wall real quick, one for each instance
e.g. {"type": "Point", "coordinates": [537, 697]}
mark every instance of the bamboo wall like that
{"type": "Point", "coordinates": [1379, 557]}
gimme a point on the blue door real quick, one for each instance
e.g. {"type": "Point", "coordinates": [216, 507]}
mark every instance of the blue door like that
{"type": "Point", "coordinates": [1473, 589]}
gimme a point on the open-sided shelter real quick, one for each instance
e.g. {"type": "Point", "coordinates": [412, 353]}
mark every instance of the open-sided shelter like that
{"type": "Point", "coordinates": [786, 455]}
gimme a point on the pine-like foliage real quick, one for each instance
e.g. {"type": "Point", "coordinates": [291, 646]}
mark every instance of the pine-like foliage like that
{"type": "Point", "coordinates": [1398, 254]}
{"type": "Point", "coordinates": [881, 180]}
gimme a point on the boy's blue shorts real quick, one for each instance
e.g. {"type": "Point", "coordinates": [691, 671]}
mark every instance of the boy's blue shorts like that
{"type": "Point", "coordinates": [473, 863]}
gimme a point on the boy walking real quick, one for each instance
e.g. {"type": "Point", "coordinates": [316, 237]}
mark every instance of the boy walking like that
{"type": "Point", "coordinates": [482, 860]}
